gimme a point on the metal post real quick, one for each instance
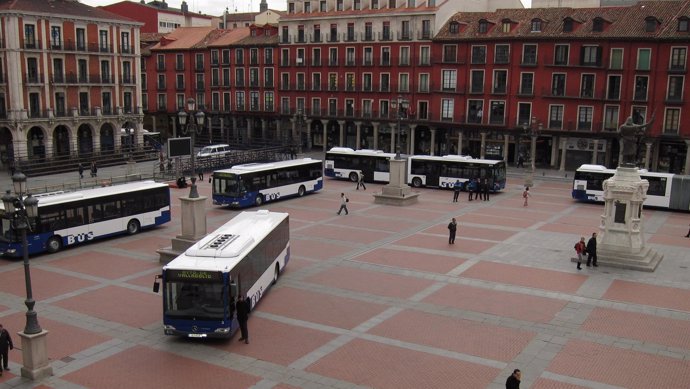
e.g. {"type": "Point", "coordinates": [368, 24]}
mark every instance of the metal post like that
{"type": "Point", "coordinates": [32, 326]}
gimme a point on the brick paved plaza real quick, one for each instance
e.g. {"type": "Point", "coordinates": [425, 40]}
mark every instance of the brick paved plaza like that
{"type": "Point", "coordinates": [378, 299]}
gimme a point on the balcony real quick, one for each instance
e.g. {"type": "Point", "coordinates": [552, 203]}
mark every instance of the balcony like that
{"type": "Point", "coordinates": [178, 67]}
{"type": "Point", "coordinates": [57, 79]}
{"type": "Point", "coordinates": [367, 36]}
{"type": "Point", "coordinates": [55, 44]}
{"type": "Point", "coordinates": [31, 44]}
{"type": "Point", "coordinates": [127, 50]}
{"type": "Point", "coordinates": [502, 59]}
{"type": "Point", "coordinates": [179, 86]}
{"type": "Point", "coordinates": [161, 86]}
{"type": "Point", "coordinates": [424, 34]}
{"type": "Point", "coordinates": [200, 86]}
{"type": "Point", "coordinates": [199, 67]}
{"type": "Point", "coordinates": [404, 36]}
{"type": "Point", "coordinates": [285, 39]}
{"type": "Point", "coordinates": [333, 37]}
{"type": "Point", "coordinates": [127, 79]}
{"type": "Point", "coordinates": [160, 67]}
{"type": "Point", "coordinates": [315, 38]}
{"type": "Point", "coordinates": [33, 78]}
{"type": "Point", "coordinates": [350, 37]}
{"type": "Point", "coordinates": [385, 36]}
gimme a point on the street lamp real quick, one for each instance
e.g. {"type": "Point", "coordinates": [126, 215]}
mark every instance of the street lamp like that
{"type": "Point", "coordinates": [533, 132]}
{"type": "Point", "coordinates": [195, 126]}
{"type": "Point", "coordinates": [400, 104]}
{"type": "Point", "coordinates": [300, 117]}
{"type": "Point", "coordinates": [20, 212]}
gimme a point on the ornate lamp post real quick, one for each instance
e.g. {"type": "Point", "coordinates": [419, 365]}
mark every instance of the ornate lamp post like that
{"type": "Point", "coordinates": [400, 104]}
{"type": "Point", "coordinates": [195, 126]}
{"type": "Point", "coordinates": [21, 211]}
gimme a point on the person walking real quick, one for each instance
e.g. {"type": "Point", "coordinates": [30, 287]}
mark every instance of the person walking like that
{"type": "Point", "coordinates": [343, 204]}
{"type": "Point", "coordinates": [526, 195]}
{"type": "Point", "coordinates": [456, 190]}
{"type": "Point", "coordinates": [81, 171]}
{"type": "Point", "coordinates": [486, 187]}
{"type": "Point", "coordinates": [581, 250]}
{"type": "Point", "coordinates": [513, 381]}
{"type": "Point", "coordinates": [5, 346]}
{"type": "Point", "coordinates": [470, 189]}
{"type": "Point", "coordinates": [94, 169]}
{"type": "Point", "coordinates": [200, 173]}
{"type": "Point", "coordinates": [452, 229]}
{"type": "Point", "coordinates": [360, 180]}
{"type": "Point", "coordinates": [592, 250]}
{"type": "Point", "coordinates": [242, 308]}
{"type": "Point", "coordinates": [521, 161]}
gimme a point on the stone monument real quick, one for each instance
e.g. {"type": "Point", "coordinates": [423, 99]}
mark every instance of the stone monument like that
{"type": "Point", "coordinates": [621, 242]}
{"type": "Point", "coordinates": [397, 192]}
{"type": "Point", "coordinates": [193, 218]}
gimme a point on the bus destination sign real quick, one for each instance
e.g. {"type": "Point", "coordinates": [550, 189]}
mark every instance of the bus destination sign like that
{"type": "Point", "coordinates": [193, 275]}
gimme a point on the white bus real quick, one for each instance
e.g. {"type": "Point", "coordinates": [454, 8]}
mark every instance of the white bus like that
{"type": "Point", "coordinates": [666, 190]}
{"type": "Point", "coordinates": [256, 183]}
{"type": "Point", "coordinates": [444, 171]}
{"type": "Point", "coordinates": [344, 162]}
{"type": "Point", "coordinates": [69, 218]}
{"type": "Point", "coordinates": [241, 259]}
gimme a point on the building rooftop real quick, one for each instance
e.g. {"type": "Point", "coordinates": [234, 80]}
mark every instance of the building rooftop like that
{"type": "Point", "coordinates": [62, 7]}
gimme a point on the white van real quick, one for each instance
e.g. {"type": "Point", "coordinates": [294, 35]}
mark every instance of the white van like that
{"type": "Point", "coordinates": [213, 151]}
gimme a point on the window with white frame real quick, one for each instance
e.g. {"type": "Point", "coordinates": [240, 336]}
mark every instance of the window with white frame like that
{"type": "Point", "coordinates": [672, 121]}
{"type": "Point", "coordinates": [644, 59]}
{"type": "Point", "coordinates": [678, 58]}
{"type": "Point", "coordinates": [476, 81]}
{"type": "Point", "coordinates": [404, 82]}
{"type": "Point", "coordinates": [500, 85]}
{"type": "Point", "coordinates": [556, 117]}
{"type": "Point", "coordinates": [675, 88]}
{"type": "Point", "coordinates": [611, 115]}
{"type": "Point", "coordinates": [497, 112]}
{"type": "Point", "coordinates": [447, 109]}
{"type": "Point", "coordinates": [641, 84]}
{"type": "Point", "coordinates": [587, 86]}
{"type": "Point", "coordinates": [424, 83]}
{"type": "Point", "coordinates": [584, 118]}
{"type": "Point", "coordinates": [450, 79]}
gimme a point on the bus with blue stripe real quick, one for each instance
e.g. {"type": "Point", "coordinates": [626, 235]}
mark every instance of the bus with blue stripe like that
{"type": "Point", "coordinates": [68, 218]}
{"type": "Point", "coordinates": [239, 260]}
{"type": "Point", "coordinates": [445, 171]}
{"type": "Point", "coordinates": [258, 183]}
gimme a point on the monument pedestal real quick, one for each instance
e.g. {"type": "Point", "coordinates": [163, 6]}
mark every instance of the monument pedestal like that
{"type": "Point", "coordinates": [621, 240]}
{"type": "Point", "coordinates": [397, 192]}
{"type": "Point", "coordinates": [193, 228]}
{"type": "Point", "coordinates": [35, 356]}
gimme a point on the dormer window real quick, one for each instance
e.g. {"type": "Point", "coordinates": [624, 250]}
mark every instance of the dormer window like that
{"type": "Point", "coordinates": [683, 24]}
{"type": "Point", "coordinates": [650, 24]}
{"type": "Point", "coordinates": [535, 25]}
{"type": "Point", "coordinates": [506, 25]}
{"type": "Point", "coordinates": [454, 27]}
{"type": "Point", "coordinates": [483, 26]}
{"type": "Point", "coordinates": [597, 25]}
{"type": "Point", "coordinates": [568, 25]}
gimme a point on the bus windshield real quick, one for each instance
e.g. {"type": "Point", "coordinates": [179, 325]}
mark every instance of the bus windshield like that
{"type": "Point", "coordinates": [228, 184]}
{"type": "Point", "coordinates": [193, 300]}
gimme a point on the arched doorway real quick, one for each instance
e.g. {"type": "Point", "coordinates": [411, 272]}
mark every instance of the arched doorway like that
{"type": "Point", "coordinates": [107, 138]}
{"type": "Point", "coordinates": [35, 147]}
{"type": "Point", "coordinates": [6, 146]}
{"type": "Point", "coordinates": [61, 141]}
{"type": "Point", "coordinates": [84, 140]}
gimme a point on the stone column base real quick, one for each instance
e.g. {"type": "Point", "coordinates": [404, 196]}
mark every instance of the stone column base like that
{"type": "Point", "coordinates": [646, 260]}
{"type": "Point", "coordinates": [35, 356]}
{"type": "Point", "coordinates": [396, 195]}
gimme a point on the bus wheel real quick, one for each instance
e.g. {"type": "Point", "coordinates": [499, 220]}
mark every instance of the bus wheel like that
{"type": "Point", "coordinates": [133, 227]}
{"type": "Point", "coordinates": [259, 200]}
{"type": "Point", "coordinates": [276, 274]}
{"type": "Point", "coordinates": [301, 191]}
{"type": "Point", "coordinates": [54, 244]}
{"type": "Point", "coordinates": [354, 177]}
{"type": "Point", "coordinates": [417, 182]}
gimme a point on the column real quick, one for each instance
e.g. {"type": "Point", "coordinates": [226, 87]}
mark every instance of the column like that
{"type": "Point", "coordinates": [655, 158]}
{"type": "Point", "coordinates": [460, 141]}
{"type": "Point", "coordinates": [482, 150]}
{"type": "Point", "coordinates": [97, 140]}
{"type": "Point", "coordinates": [263, 129]}
{"type": "Point", "coordinates": [325, 136]}
{"type": "Point", "coordinates": [609, 145]}
{"type": "Point", "coordinates": [433, 142]}
{"type": "Point", "coordinates": [393, 129]}
{"type": "Point", "coordinates": [308, 122]}
{"type": "Point", "coordinates": [563, 151]}
{"type": "Point", "coordinates": [686, 169]}
{"type": "Point", "coordinates": [223, 137]}
{"type": "Point", "coordinates": [533, 151]}
{"type": "Point", "coordinates": [376, 134]}
{"type": "Point", "coordinates": [154, 124]}
{"type": "Point", "coordinates": [341, 135]}
{"type": "Point", "coordinates": [279, 132]}
{"type": "Point", "coordinates": [506, 145]}
{"type": "Point", "coordinates": [647, 154]}
{"type": "Point", "coordinates": [595, 152]}
{"type": "Point", "coordinates": [410, 150]}
{"type": "Point", "coordinates": [358, 138]}
{"type": "Point", "coordinates": [555, 141]}
{"type": "Point", "coordinates": [248, 124]}
{"type": "Point", "coordinates": [294, 128]}
{"type": "Point", "coordinates": [235, 133]}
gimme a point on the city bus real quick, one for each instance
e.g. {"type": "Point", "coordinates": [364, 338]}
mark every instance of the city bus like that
{"type": "Point", "coordinates": [257, 183]}
{"type": "Point", "coordinates": [344, 162]}
{"type": "Point", "coordinates": [443, 172]}
{"type": "Point", "coordinates": [239, 260]}
{"type": "Point", "coordinates": [69, 218]}
{"type": "Point", "coordinates": [666, 190]}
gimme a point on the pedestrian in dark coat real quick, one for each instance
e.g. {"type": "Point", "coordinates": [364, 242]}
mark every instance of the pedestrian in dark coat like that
{"type": "Point", "coordinates": [81, 170]}
{"type": "Point", "coordinates": [486, 187]}
{"type": "Point", "coordinates": [592, 250]}
{"type": "Point", "coordinates": [513, 382]}
{"type": "Point", "coordinates": [242, 308]}
{"type": "Point", "coordinates": [478, 190]}
{"type": "Point", "coordinates": [456, 190]}
{"type": "Point", "coordinates": [452, 228]}
{"type": "Point", "coordinates": [471, 184]}
{"type": "Point", "coordinates": [5, 346]}
{"type": "Point", "coordinates": [94, 170]}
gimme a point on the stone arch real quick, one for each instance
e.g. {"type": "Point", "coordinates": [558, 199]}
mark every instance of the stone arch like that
{"type": "Point", "coordinates": [6, 146]}
{"type": "Point", "coordinates": [84, 140]}
{"type": "Point", "coordinates": [35, 144]}
{"type": "Point", "coordinates": [107, 135]}
{"type": "Point", "coordinates": [61, 141]}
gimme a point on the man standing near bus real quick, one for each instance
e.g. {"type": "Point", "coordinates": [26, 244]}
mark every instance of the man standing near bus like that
{"type": "Point", "coordinates": [242, 309]}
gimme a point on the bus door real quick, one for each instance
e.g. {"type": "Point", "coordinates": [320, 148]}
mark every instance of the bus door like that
{"type": "Point", "coordinates": [432, 173]}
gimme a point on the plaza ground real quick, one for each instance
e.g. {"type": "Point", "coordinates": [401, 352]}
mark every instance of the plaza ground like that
{"type": "Point", "coordinates": [379, 299]}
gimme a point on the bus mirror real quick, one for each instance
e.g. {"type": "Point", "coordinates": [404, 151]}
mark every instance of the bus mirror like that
{"type": "Point", "coordinates": [156, 284]}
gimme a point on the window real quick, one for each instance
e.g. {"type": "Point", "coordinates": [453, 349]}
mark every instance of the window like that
{"type": "Point", "coordinates": [524, 113]}
{"type": "Point", "coordinates": [225, 57]}
{"type": "Point", "coordinates": [678, 57]}
{"type": "Point", "coordinates": [497, 112]}
{"type": "Point", "coordinates": [316, 81]}
{"type": "Point", "coordinates": [316, 57]}
{"type": "Point", "coordinates": [179, 81]}
{"type": "Point", "coordinates": [239, 100]}
{"type": "Point", "coordinates": [483, 26]}
{"type": "Point", "coordinates": [368, 57]}
{"type": "Point", "coordinates": [526, 83]}
{"type": "Point", "coordinates": [404, 82]}
{"type": "Point", "coordinates": [105, 72]}
{"type": "Point", "coordinates": [367, 82]}
{"type": "Point", "coordinates": [478, 55]}
{"type": "Point", "coordinates": [55, 37]}
{"type": "Point", "coordinates": [254, 77]}
{"type": "Point", "coordinates": [672, 121]}
{"type": "Point", "coordinates": [334, 33]}
{"type": "Point", "coordinates": [253, 56]}
{"type": "Point", "coordinates": [199, 62]}
{"type": "Point", "coordinates": [405, 56]}
{"type": "Point", "coordinates": [239, 77]}
{"type": "Point", "coordinates": [616, 59]}
{"type": "Point", "coordinates": [226, 102]}
{"type": "Point", "coordinates": [643, 59]}
{"type": "Point", "coordinates": [161, 102]}
{"type": "Point", "coordinates": [475, 111]}
{"type": "Point", "coordinates": [597, 25]}
{"type": "Point", "coordinates": [558, 84]}
{"type": "Point", "coordinates": [450, 80]}
{"type": "Point", "coordinates": [506, 26]}
{"type": "Point", "coordinates": [675, 88]}
{"type": "Point", "coordinates": [639, 114]}
{"type": "Point", "coordinates": [477, 81]}
{"type": "Point", "coordinates": [613, 90]}
{"type": "Point", "coordinates": [179, 62]}
{"type": "Point", "coordinates": [103, 40]}
{"type": "Point", "coordinates": [500, 85]}
{"type": "Point", "coordinates": [535, 26]}
{"type": "Point", "coordinates": [556, 117]}
{"type": "Point", "coordinates": [587, 86]}
{"type": "Point", "coordinates": [385, 82]}
{"type": "Point", "coordinates": [239, 57]}
{"type": "Point", "coordinates": [350, 32]}
{"type": "Point", "coordinates": [567, 25]}
{"type": "Point", "coordinates": [650, 24]}
{"type": "Point", "coordinates": [423, 110]}
{"type": "Point", "coordinates": [226, 77]}
{"type": "Point", "coordinates": [385, 56]}
{"type": "Point", "coordinates": [561, 55]}
{"type": "Point", "coordinates": [584, 118]}
{"type": "Point", "coordinates": [405, 30]}
{"type": "Point", "coordinates": [350, 82]}
{"type": "Point", "coordinates": [333, 56]}
{"type": "Point", "coordinates": [81, 39]}
{"type": "Point", "coordinates": [350, 56]}
{"type": "Point", "coordinates": [332, 81]}
{"type": "Point", "coordinates": [454, 27]}
{"type": "Point", "coordinates": [317, 34]}
{"type": "Point", "coordinates": [683, 23]}
{"type": "Point", "coordinates": [425, 55]}
{"type": "Point", "coordinates": [502, 54]}
{"type": "Point", "coordinates": [268, 77]}
{"type": "Point", "coordinates": [386, 31]}
{"type": "Point", "coordinates": [590, 56]}
{"type": "Point", "coordinates": [529, 54]}
{"type": "Point", "coordinates": [450, 53]}
{"type": "Point", "coordinates": [368, 32]}
{"type": "Point", "coordinates": [641, 83]}
{"type": "Point", "coordinates": [611, 113]}
{"type": "Point", "coordinates": [424, 82]}
{"type": "Point", "coordinates": [447, 108]}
